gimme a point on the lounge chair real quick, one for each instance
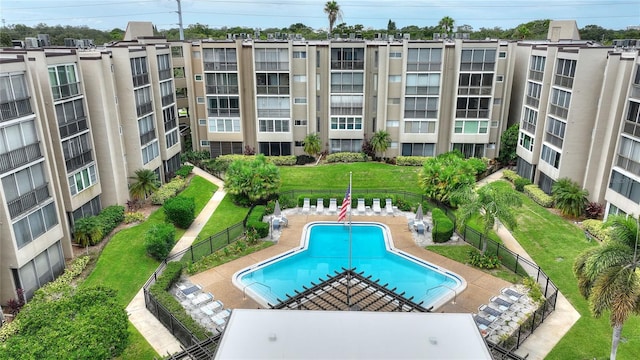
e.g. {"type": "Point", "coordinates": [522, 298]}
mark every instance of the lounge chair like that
{"type": "Point", "coordinates": [483, 323]}
{"type": "Point", "coordinates": [494, 313]}
{"type": "Point", "coordinates": [279, 221]}
{"type": "Point", "coordinates": [511, 294]}
{"type": "Point", "coordinates": [333, 206]}
{"type": "Point", "coordinates": [201, 299]}
{"type": "Point", "coordinates": [419, 226]}
{"type": "Point", "coordinates": [306, 206]}
{"type": "Point", "coordinates": [361, 208]}
{"type": "Point", "coordinates": [185, 290]}
{"type": "Point", "coordinates": [211, 308]}
{"type": "Point", "coordinates": [320, 206]}
{"type": "Point", "coordinates": [388, 207]}
{"type": "Point", "coordinates": [376, 206]}
{"type": "Point", "coordinates": [502, 303]}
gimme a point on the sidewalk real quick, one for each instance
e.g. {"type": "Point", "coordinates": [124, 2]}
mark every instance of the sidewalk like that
{"type": "Point", "coordinates": [545, 337]}
{"type": "Point", "coordinates": [153, 331]}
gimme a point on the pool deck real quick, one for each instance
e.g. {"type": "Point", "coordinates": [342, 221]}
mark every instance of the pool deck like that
{"type": "Point", "coordinates": [480, 286]}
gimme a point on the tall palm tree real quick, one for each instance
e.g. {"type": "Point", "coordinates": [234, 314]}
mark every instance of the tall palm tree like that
{"type": "Point", "coordinates": [569, 197]}
{"type": "Point", "coordinates": [446, 24]}
{"type": "Point", "coordinates": [312, 144]}
{"type": "Point", "coordinates": [145, 182]}
{"type": "Point", "coordinates": [609, 275]}
{"type": "Point", "coordinates": [380, 141]}
{"type": "Point", "coordinates": [332, 9]}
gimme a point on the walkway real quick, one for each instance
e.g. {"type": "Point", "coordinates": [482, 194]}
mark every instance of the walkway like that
{"type": "Point", "coordinates": [153, 331]}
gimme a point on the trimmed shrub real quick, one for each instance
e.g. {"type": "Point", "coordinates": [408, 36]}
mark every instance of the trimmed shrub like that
{"type": "Point", "coordinates": [346, 157]}
{"type": "Point", "coordinates": [510, 175]}
{"type": "Point", "coordinates": [133, 217]}
{"type": "Point", "coordinates": [519, 182]}
{"type": "Point", "coordinates": [168, 190]}
{"type": "Point", "coordinates": [442, 226]}
{"type": "Point", "coordinates": [304, 159]}
{"type": "Point", "coordinates": [110, 217]}
{"type": "Point", "coordinates": [184, 171]}
{"type": "Point", "coordinates": [180, 211]}
{"type": "Point", "coordinates": [88, 231]}
{"type": "Point", "coordinates": [288, 160]}
{"type": "Point", "coordinates": [478, 165]}
{"type": "Point", "coordinates": [539, 196]}
{"type": "Point", "coordinates": [411, 160]}
{"type": "Point", "coordinates": [255, 223]}
{"type": "Point", "coordinates": [596, 228]}
{"type": "Point", "coordinates": [159, 240]}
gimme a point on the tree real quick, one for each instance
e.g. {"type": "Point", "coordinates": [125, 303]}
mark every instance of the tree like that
{"type": "Point", "coordinates": [391, 26]}
{"type": "Point", "coordinates": [252, 181]}
{"type": "Point", "coordinates": [446, 24]}
{"type": "Point", "coordinates": [380, 141]}
{"type": "Point", "coordinates": [570, 198]}
{"type": "Point", "coordinates": [145, 182]}
{"type": "Point", "coordinates": [88, 231]}
{"type": "Point", "coordinates": [332, 9]}
{"type": "Point", "coordinates": [312, 144]}
{"type": "Point", "coordinates": [490, 202]}
{"type": "Point", "coordinates": [608, 276]}
{"type": "Point", "coordinates": [521, 32]}
{"type": "Point", "coordinates": [444, 174]}
{"type": "Point", "coordinates": [508, 144]}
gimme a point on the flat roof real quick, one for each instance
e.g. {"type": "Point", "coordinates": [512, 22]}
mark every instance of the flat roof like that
{"type": "Point", "coordinates": [276, 334]}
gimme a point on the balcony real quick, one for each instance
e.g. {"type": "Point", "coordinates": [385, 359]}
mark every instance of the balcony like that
{"type": "Point", "coordinates": [554, 140]}
{"type": "Point", "coordinates": [65, 91]}
{"type": "Point", "coordinates": [164, 74]}
{"type": "Point", "coordinates": [632, 128]}
{"type": "Point", "coordinates": [474, 90]}
{"type": "Point", "coordinates": [564, 81]}
{"type": "Point", "coordinates": [144, 109]}
{"type": "Point", "coordinates": [28, 201]}
{"type": "Point", "coordinates": [276, 113]}
{"type": "Point", "coordinates": [413, 66]}
{"type": "Point", "coordinates": [15, 109]}
{"type": "Point", "coordinates": [531, 128]}
{"type": "Point", "coordinates": [347, 65]}
{"type": "Point", "coordinates": [167, 100]}
{"type": "Point", "coordinates": [170, 124]}
{"type": "Point", "coordinates": [78, 161]}
{"type": "Point", "coordinates": [217, 66]}
{"type": "Point", "coordinates": [558, 111]}
{"type": "Point", "coordinates": [140, 80]}
{"type": "Point", "coordinates": [222, 89]}
{"type": "Point", "coordinates": [339, 110]}
{"type": "Point", "coordinates": [472, 114]}
{"type": "Point", "coordinates": [339, 88]}
{"type": "Point", "coordinates": [226, 112]}
{"type": "Point", "coordinates": [536, 75]}
{"type": "Point", "coordinates": [531, 101]}
{"type": "Point", "coordinates": [272, 90]}
{"type": "Point", "coordinates": [148, 137]}
{"type": "Point", "coordinates": [19, 157]}
{"type": "Point", "coordinates": [628, 164]}
{"type": "Point", "coordinates": [272, 65]}
{"type": "Point", "coordinates": [72, 128]}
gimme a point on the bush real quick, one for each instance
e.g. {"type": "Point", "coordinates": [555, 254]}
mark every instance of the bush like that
{"type": "Point", "coordinates": [519, 182]}
{"type": "Point", "coordinates": [184, 171]}
{"type": "Point", "coordinates": [478, 165]}
{"type": "Point", "coordinates": [539, 196]}
{"type": "Point", "coordinates": [159, 240]}
{"type": "Point", "coordinates": [442, 226]}
{"type": "Point", "coordinates": [411, 160]}
{"type": "Point", "coordinates": [535, 292]}
{"type": "Point", "coordinates": [593, 210]}
{"type": "Point", "coordinates": [180, 211]}
{"type": "Point", "coordinates": [133, 217]}
{"type": "Point", "coordinates": [596, 228]}
{"type": "Point", "coordinates": [305, 159]}
{"type": "Point", "coordinates": [168, 190]}
{"type": "Point", "coordinates": [346, 157]}
{"type": "Point", "coordinates": [255, 223]}
{"type": "Point", "coordinates": [510, 175]}
{"type": "Point", "coordinates": [288, 160]}
{"type": "Point", "coordinates": [88, 231]}
{"type": "Point", "coordinates": [482, 261]}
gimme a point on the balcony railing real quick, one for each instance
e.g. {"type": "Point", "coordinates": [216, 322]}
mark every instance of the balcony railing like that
{"type": "Point", "coordinates": [140, 80]}
{"type": "Point", "coordinates": [632, 128]}
{"type": "Point", "coordinates": [148, 137]}
{"type": "Point", "coordinates": [19, 157]}
{"type": "Point", "coordinates": [339, 110]}
{"type": "Point", "coordinates": [277, 113]}
{"type": "Point", "coordinates": [74, 127]}
{"type": "Point", "coordinates": [217, 66]}
{"type": "Point", "coordinates": [347, 88]}
{"type": "Point", "coordinates": [167, 100]}
{"type": "Point", "coordinates": [272, 90]}
{"type": "Point", "coordinates": [474, 90]}
{"type": "Point", "coordinates": [628, 164]}
{"type": "Point", "coordinates": [553, 140]}
{"type": "Point", "coordinates": [272, 65]}
{"type": "Point", "coordinates": [144, 108]}
{"type": "Point", "coordinates": [164, 74]}
{"type": "Point", "coordinates": [347, 65]}
{"type": "Point", "coordinates": [65, 91]}
{"type": "Point", "coordinates": [28, 201]}
{"type": "Point", "coordinates": [78, 161]}
{"type": "Point", "coordinates": [15, 109]}
{"type": "Point", "coordinates": [531, 128]}
{"type": "Point", "coordinates": [224, 112]}
{"type": "Point", "coordinates": [531, 101]}
{"type": "Point", "coordinates": [212, 89]}
{"type": "Point", "coordinates": [472, 114]}
{"type": "Point", "coordinates": [559, 111]}
{"type": "Point", "coordinates": [411, 66]}
{"type": "Point", "coordinates": [564, 81]}
{"type": "Point", "coordinates": [170, 124]}
{"type": "Point", "coordinates": [536, 75]}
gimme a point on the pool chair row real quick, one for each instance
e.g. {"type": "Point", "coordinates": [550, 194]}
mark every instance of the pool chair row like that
{"type": "Point", "coordinates": [361, 209]}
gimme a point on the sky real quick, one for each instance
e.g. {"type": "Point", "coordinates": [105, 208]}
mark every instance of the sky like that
{"type": "Point", "coordinates": [110, 14]}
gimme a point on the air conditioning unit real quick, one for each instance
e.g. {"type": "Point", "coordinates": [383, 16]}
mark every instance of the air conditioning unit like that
{"type": "Point", "coordinates": [269, 36]}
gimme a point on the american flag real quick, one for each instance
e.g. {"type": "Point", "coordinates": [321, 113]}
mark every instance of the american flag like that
{"type": "Point", "coordinates": [346, 204]}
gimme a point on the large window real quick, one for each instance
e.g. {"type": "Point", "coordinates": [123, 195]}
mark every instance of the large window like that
{"type": "Point", "coordinates": [347, 82]}
{"type": "Point", "coordinates": [222, 83]}
{"type": "Point", "coordinates": [35, 224]}
{"type": "Point", "coordinates": [14, 97]}
{"type": "Point", "coordinates": [19, 145]}
{"type": "Point", "coordinates": [143, 101]}
{"type": "Point", "coordinates": [346, 145]}
{"type": "Point", "coordinates": [90, 208]}
{"type": "Point", "coordinates": [272, 59]}
{"type": "Point", "coordinates": [421, 107]}
{"type": "Point", "coordinates": [560, 101]}
{"type": "Point", "coordinates": [346, 104]}
{"type": "Point", "coordinates": [529, 120]}
{"type": "Point", "coordinates": [164, 66]}
{"type": "Point", "coordinates": [274, 125]}
{"type": "Point", "coordinates": [423, 84]}
{"type": "Point", "coordinates": [550, 156]}
{"type": "Point", "coordinates": [77, 151]}
{"type": "Point", "coordinates": [346, 123]}
{"type": "Point", "coordinates": [150, 152]}
{"type": "Point", "coordinates": [625, 186]}
{"type": "Point", "coordinates": [470, 150]}
{"type": "Point", "coordinates": [169, 118]}
{"type": "Point", "coordinates": [25, 189]}
{"type": "Point", "coordinates": [629, 155]}
{"type": "Point", "coordinates": [347, 58]}
{"type": "Point", "coordinates": [533, 94]}
{"type": "Point", "coordinates": [565, 72]}
{"type": "Point", "coordinates": [218, 148]}
{"type": "Point", "coordinates": [471, 127]}
{"type": "Point", "coordinates": [220, 59]}
{"type": "Point", "coordinates": [536, 67]}
{"type": "Point", "coordinates": [424, 59]}
{"type": "Point", "coordinates": [139, 71]}
{"type": "Point", "coordinates": [526, 141]}
{"type": "Point", "coordinates": [478, 59]}
{"type": "Point", "coordinates": [147, 128]}
{"type": "Point", "coordinates": [555, 132]}
{"type": "Point", "coordinates": [473, 107]}
{"type": "Point", "coordinates": [272, 83]}
{"type": "Point", "coordinates": [166, 92]}
{"type": "Point", "coordinates": [83, 179]}
{"type": "Point", "coordinates": [475, 84]}
{"type": "Point", "coordinates": [223, 106]}
{"type": "Point", "coordinates": [172, 138]}
{"type": "Point", "coordinates": [417, 149]}
{"type": "Point", "coordinates": [274, 106]}
{"type": "Point", "coordinates": [37, 272]}
{"type": "Point", "coordinates": [275, 148]}
{"type": "Point", "coordinates": [419, 127]}
{"type": "Point", "coordinates": [64, 81]}
{"type": "Point", "coordinates": [71, 117]}
{"type": "Point", "coordinates": [224, 125]}
{"type": "Point", "coordinates": [632, 123]}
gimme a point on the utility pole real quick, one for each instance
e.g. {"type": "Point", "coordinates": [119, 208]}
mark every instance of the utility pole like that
{"type": "Point", "coordinates": [180, 20]}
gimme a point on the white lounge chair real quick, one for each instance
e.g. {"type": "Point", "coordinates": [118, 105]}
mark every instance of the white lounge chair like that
{"type": "Point", "coordinates": [376, 207]}
{"type": "Point", "coordinates": [320, 206]}
{"type": "Point", "coordinates": [388, 207]}
{"type": "Point", "coordinates": [279, 221]}
{"type": "Point", "coordinates": [333, 206]}
{"type": "Point", "coordinates": [361, 208]}
{"type": "Point", "coordinates": [306, 206]}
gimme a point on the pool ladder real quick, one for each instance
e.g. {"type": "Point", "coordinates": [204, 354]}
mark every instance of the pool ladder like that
{"type": "Point", "coordinates": [455, 293]}
{"type": "Point", "coordinates": [244, 289]}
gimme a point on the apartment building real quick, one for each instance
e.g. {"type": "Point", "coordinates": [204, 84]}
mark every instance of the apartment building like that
{"type": "Point", "coordinates": [268, 95]}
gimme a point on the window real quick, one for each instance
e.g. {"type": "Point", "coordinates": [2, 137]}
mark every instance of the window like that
{"type": "Point", "coordinates": [555, 132]}
{"type": "Point", "coordinates": [393, 123]}
{"type": "Point", "coordinates": [272, 83]}
{"type": "Point", "coordinates": [150, 152]}
{"type": "Point", "coordinates": [424, 59]}
{"type": "Point", "coordinates": [419, 127]}
{"type": "Point", "coordinates": [346, 145]}
{"type": "Point", "coordinates": [147, 129]}
{"type": "Point", "coordinates": [21, 140]}
{"type": "Point", "coordinates": [300, 123]}
{"type": "Point", "coordinates": [550, 156]}
{"type": "Point", "coordinates": [300, 101]}
{"type": "Point", "coordinates": [218, 148]}
{"type": "Point", "coordinates": [169, 118]}
{"type": "Point", "coordinates": [629, 155]}
{"type": "Point", "coordinates": [632, 123]}
{"type": "Point", "coordinates": [204, 143]}
{"type": "Point", "coordinates": [273, 125]}
{"type": "Point", "coordinates": [90, 208]}
{"type": "Point", "coordinates": [37, 272]}
{"type": "Point", "coordinates": [178, 72]}
{"type": "Point", "coordinates": [545, 183]}
{"type": "Point", "coordinates": [167, 93]}
{"type": "Point", "coordinates": [271, 59]}
{"type": "Point", "coordinates": [83, 179]}
{"type": "Point", "coordinates": [502, 54]}
{"type": "Point", "coordinates": [176, 51]}
{"type": "Point", "coordinates": [346, 104]}
{"type": "Point", "coordinates": [143, 100]}
{"type": "Point", "coordinates": [224, 125]}
{"type": "Point", "coordinates": [499, 78]}
{"type": "Point", "coordinates": [64, 81]}
{"type": "Point", "coordinates": [395, 55]}
{"type": "Point", "coordinates": [395, 78]}
{"type": "Point", "coordinates": [77, 151]}
{"type": "Point", "coordinates": [614, 210]}
{"type": "Point", "coordinates": [475, 84]}
{"type": "Point", "coordinates": [471, 127]}
{"type": "Point", "coordinates": [275, 148]}
{"type": "Point", "coordinates": [529, 120]}
{"type": "Point", "coordinates": [139, 71]}
{"type": "Point", "coordinates": [318, 82]}
{"type": "Point", "coordinates": [478, 59]}
{"type": "Point", "coordinates": [560, 101]}
{"type": "Point", "coordinates": [299, 54]}
{"type": "Point", "coordinates": [473, 107]}
{"type": "Point", "coordinates": [198, 77]}
{"type": "Point", "coordinates": [423, 84]}
{"type": "Point", "coordinates": [222, 83]}
{"type": "Point", "coordinates": [418, 149]}
{"type": "Point", "coordinates": [524, 169]}
{"type": "Point", "coordinates": [347, 58]}
{"type": "Point", "coordinates": [14, 97]}
{"type": "Point", "coordinates": [346, 123]}
{"type": "Point", "coordinates": [273, 106]}
{"type": "Point", "coordinates": [202, 122]}
{"type": "Point", "coordinates": [625, 186]}
{"type": "Point", "coordinates": [172, 138]}
{"type": "Point", "coordinates": [565, 72]}
{"type": "Point", "coordinates": [347, 82]}
{"type": "Point", "coordinates": [470, 150]}
{"type": "Point", "coordinates": [221, 106]}
{"type": "Point", "coordinates": [533, 94]}
{"type": "Point", "coordinates": [25, 189]}
{"type": "Point", "coordinates": [199, 99]}
{"type": "Point", "coordinates": [300, 78]}
{"type": "Point", "coordinates": [220, 59]}
{"type": "Point", "coordinates": [526, 141]}
{"type": "Point", "coordinates": [421, 107]}
{"type": "Point", "coordinates": [164, 66]}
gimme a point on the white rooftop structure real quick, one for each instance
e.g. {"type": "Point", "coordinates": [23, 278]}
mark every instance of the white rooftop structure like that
{"type": "Point", "coordinates": [278, 334]}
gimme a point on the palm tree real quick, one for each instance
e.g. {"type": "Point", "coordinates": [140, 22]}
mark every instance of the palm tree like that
{"type": "Point", "coordinates": [569, 197]}
{"type": "Point", "coordinates": [332, 9]}
{"type": "Point", "coordinates": [446, 24]}
{"type": "Point", "coordinates": [312, 144]}
{"type": "Point", "coordinates": [522, 32]}
{"type": "Point", "coordinates": [145, 182]}
{"type": "Point", "coordinates": [491, 202]}
{"type": "Point", "coordinates": [380, 141]}
{"type": "Point", "coordinates": [609, 277]}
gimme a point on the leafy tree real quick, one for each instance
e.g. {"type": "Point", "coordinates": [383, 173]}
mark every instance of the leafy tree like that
{"type": "Point", "coordinates": [444, 174]}
{"type": "Point", "coordinates": [391, 26]}
{"type": "Point", "coordinates": [332, 9]}
{"type": "Point", "coordinates": [608, 276]}
{"type": "Point", "coordinates": [521, 32]}
{"type": "Point", "coordinates": [569, 197]}
{"type": "Point", "coordinates": [490, 202]}
{"type": "Point", "coordinates": [380, 141]}
{"type": "Point", "coordinates": [508, 144]}
{"type": "Point", "coordinates": [159, 240]}
{"type": "Point", "coordinates": [312, 144]}
{"type": "Point", "coordinates": [145, 182]}
{"type": "Point", "coordinates": [252, 181]}
{"type": "Point", "coordinates": [446, 24]}
{"type": "Point", "coordinates": [88, 231]}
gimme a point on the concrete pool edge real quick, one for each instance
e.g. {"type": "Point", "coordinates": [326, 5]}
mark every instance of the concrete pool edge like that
{"type": "Point", "coordinates": [261, 299]}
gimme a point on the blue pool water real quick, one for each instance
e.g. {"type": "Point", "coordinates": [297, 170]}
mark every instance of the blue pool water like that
{"type": "Point", "coordinates": [326, 250]}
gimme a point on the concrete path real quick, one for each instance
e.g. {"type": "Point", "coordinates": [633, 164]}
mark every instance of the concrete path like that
{"type": "Point", "coordinates": [153, 331]}
{"type": "Point", "coordinates": [544, 338]}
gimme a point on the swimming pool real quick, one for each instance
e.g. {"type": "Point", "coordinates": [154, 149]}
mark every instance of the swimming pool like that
{"type": "Point", "coordinates": [325, 249]}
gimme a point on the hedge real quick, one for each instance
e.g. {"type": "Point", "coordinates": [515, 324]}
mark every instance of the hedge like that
{"type": "Point", "coordinates": [168, 190]}
{"type": "Point", "coordinates": [596, 228]}
{"type": "Point", "coordinates": [254, 221]}
{"type": "Point", "coordinates": [539, 196]}
{"type": "Point", "coordinates": [442, 226]}
{"type": "Point", "coordinates": [346, 157]}
{"type": "Point", "coordinates": [288, 160]}
{"type": "Point", "coordinates": [184, 171]}
{"type": "Point", "coordinates": [411, 160]}
{"type": "Point", "coordinates": [159, 240]}
{"type": "Point", "coordinates": [510, 175]}
{"type": "Point", "coordinates": [180, 211]}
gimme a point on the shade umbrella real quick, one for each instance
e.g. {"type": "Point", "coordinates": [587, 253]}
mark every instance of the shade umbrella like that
{"type": "Point", "coordinates": [276, 210]}
{"type": "Point", "coordinates": [419, 215]}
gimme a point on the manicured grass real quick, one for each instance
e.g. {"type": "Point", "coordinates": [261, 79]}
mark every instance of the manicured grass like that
{"type": "Point", "coordinates": [138, 347]}
{"type": "Point", "coordinates": [367, 175]}
{"type": "Point", "coordinates": [226, 214]}
{"type": "Point", "coordinates": [201, 190]}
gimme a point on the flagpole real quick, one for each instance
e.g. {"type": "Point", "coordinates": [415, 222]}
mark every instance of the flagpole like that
{"type": "Point", "coordinates": [350, 228]}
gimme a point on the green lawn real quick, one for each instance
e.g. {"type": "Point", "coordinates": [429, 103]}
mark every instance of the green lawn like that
{"type": "Point", "coordinates": [226, 214]}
